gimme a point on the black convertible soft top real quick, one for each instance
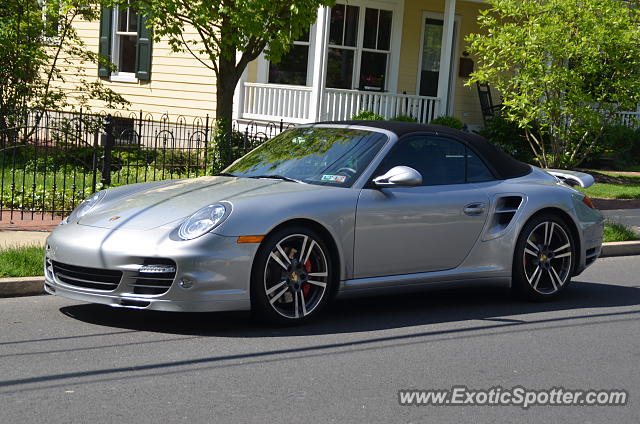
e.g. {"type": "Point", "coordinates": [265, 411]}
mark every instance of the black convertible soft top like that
{"type": "Point", "coordinates": [502, 165]}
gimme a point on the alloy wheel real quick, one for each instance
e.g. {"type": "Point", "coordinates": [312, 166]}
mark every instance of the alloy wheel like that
{"type": "Point", "coordinates": [296, 276]}
{"type": "Point", "coordinates": [547, 258]}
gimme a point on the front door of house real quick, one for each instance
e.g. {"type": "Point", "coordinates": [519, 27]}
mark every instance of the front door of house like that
{"type": "Point", "coordinates": [432, 30]}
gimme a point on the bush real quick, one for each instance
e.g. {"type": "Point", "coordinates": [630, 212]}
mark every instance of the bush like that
{"type": "Point", "coordinates": [224, 152]}
{"type": "Point", "coordinates": [43, 198]}
{"type": "Point", "coordinates": [448, 121]}
{"type": "Point", "coordinates": [619, 147]}
{"type": "Point", "coordinates": [508, 137]}
{"type": "Point", "coordinates": [367, 115]}
{"type": "Point", "coordinates": [404, 118]}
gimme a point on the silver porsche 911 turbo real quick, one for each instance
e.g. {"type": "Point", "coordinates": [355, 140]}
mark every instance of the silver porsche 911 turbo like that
{"type": "Point", "coordinates": [326, 210]}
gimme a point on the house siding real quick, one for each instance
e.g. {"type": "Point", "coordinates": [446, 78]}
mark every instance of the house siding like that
{"type": "Point", "coordinates": [466, 105]}
{"type": "Point", "coordinates": [179, 84]}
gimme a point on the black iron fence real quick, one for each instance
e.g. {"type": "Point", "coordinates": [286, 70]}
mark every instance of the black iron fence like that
{"type": "Point", "coordinates": [50, 161]}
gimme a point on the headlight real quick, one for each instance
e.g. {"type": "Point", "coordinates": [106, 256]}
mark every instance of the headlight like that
{"type": "Point", "coordinates": [84, 207]}
{"type": "Point", "coordinates": [201, 222]}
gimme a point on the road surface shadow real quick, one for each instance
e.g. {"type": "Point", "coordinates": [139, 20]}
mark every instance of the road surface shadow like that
{"type": "Point", "coordinates": [365, 314]}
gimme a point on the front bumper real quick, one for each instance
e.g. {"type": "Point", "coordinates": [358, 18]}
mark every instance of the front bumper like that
{"type": "Point", "coordinates": [218, 267]}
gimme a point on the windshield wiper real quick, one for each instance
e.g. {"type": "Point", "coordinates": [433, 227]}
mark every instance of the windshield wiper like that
{"type": "Point", "coordinates": [278, 177]}
{"type": "Point", "coordinates": [224, 174]}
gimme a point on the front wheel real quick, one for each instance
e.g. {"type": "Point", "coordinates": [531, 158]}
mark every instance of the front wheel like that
{"type": "Point", "coordinates": [544, 258]}
{"type": "Point", "coordinates": [291, 277]}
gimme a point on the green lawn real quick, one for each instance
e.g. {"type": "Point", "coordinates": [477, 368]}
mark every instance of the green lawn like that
{"type": "Point", "coordinates": [22, 261]}
{"type": "Point", "coordinates": [83, 179]}
{"type": "Point", "coordinates": [71, 187]}
{"type": "Point", "coordinates": [618, 232]}
{"type": "Point", "coordinates": [613, 191]}
{"type": "Point", "coordinates": [613, 185]}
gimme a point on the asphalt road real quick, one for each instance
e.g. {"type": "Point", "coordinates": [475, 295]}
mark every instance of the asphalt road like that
{"type": "Point", "coordinates": [64, 361]}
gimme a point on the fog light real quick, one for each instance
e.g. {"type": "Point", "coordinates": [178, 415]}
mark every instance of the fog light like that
{"type": "Point", "coordinates": [157, 269]}
{"type": "Point", "coordinates": [186, 283]}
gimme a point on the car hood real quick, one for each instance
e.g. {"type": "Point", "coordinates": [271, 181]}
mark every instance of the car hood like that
{"type": "Point", "coordinates": [153, 205]}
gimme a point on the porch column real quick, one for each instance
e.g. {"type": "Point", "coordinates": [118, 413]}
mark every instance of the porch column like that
{"type": "Point", "coordinates": [319, 67]}
{"type": "Point", "coordinates": [445, 55]}
{"type": "Point", "coordinates": [238, 94]}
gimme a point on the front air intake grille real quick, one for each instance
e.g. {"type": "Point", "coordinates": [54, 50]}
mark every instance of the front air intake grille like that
{"type": "Point", "coordinates": [155, 277]}
{"type": "Point", "coordinates": [89, 278]}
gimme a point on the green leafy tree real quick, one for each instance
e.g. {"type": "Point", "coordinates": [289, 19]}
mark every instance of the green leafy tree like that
{"type": "Point", "coordinates": [232, 33]}
{"type": "Point", "coordinates": [564, 69]}
{"type": "Point", "coordinates": [40, 50]}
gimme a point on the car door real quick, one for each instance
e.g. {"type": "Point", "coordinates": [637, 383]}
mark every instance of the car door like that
{"type": "Point", "coordinates": [431, 227]}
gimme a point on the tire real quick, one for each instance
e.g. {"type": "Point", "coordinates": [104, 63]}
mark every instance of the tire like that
{"type": "Point", "coordinates": [544, 258]}
{"type": "Point", "coordinates": [292, 277]}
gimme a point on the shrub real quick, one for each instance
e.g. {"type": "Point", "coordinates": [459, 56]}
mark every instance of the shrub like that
{"type": "Point", "coordinates": [404, 118]}
{"type": "Point", "coordinates": [224, 152]}
{"type": "Point", "coordinates": [508, 137]}
{"type": "Point", "coordinates": [367, 115]}
{"type": "Point", "coordinates": [620, 146]}
{"type": "Point", "coordinates": [448, 121]}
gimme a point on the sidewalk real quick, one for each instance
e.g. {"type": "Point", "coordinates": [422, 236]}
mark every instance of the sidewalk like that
{"type": "Point", "coordinates": [18, 221]}
{"type": "Point", "coordinates": [9, 239]}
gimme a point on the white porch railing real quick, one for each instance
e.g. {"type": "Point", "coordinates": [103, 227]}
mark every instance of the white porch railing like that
{"type": "Point", "coordinates": [275, 102]}
{"type": "Point", "coordinates": [630, 119]}
{"type": "Point", "coordinates": [343, 104]}
{"type": "Point", "coordinates": [291, 103]}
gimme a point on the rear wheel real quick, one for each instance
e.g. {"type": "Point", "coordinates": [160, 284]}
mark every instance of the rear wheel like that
{"type": "Point", "coordinates": [291, 277]}
{"type": "Point", "coordinates": [544, 258]}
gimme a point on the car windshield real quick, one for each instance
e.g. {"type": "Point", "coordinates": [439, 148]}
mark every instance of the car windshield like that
{"type": "Point", "coordinates": [312, 155]}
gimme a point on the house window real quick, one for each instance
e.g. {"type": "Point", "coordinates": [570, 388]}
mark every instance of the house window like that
{"type": "Point", "coordinates": [359, 47]}
{"type": "Point", "coordinates": [343, 35]}
{"type": "Point", "coordinates": [292, 68]}
{"type": "Point", "coordinates": [125, 37]}
{"type": "Point", "coordinates": [51, 20]}
{"type": "Point", "coordinates": [125, 41]}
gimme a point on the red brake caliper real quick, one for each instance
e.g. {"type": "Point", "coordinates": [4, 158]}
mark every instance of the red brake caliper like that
{"type": "Point", "coordinates": [306, 287]}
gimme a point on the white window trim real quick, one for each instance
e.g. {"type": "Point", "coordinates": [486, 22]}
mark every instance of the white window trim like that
{"type": "Point", "coordinates": [123, 77]}
{"type": "Point", "coordinates": [118, 76]}
{"type": "Point", "coordinates": [53, 40]}
{"type": "Point", "coordinates": [393, 64]}
{"type": "Point", "coordinates": [263, 63]}
{"type": "Point", "coordinates": [454, 54]}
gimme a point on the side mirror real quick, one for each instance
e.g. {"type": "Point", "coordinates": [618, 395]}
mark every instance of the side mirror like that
{"type": "Point", "coordinates": [402, 176]}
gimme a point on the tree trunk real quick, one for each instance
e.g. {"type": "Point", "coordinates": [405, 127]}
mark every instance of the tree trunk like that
{"type": "Point", "coordinates": [225, 87]}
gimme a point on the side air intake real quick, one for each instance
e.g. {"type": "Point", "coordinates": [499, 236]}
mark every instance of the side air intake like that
{"type": "Point", "coordinates": [505, 210]}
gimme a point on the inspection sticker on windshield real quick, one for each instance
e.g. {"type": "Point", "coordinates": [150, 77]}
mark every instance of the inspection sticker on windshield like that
{"type": "Point", "coordinates": [334, 178]}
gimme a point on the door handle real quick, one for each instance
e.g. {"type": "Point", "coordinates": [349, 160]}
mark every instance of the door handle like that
{"type": "Point", "coordinates": [474, 209]}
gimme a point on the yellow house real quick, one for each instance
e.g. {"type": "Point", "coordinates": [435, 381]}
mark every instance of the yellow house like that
{"type": "Point", "coordinates": [392, 57]}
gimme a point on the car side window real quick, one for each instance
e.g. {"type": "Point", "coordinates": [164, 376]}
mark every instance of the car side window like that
{"type": "Point", "coordinates": [477, 171]}
{"type": "Point", "coordinates": [440, 161]}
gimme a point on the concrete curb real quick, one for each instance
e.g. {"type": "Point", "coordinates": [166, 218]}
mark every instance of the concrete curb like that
{"type": "Point", "coordinates": [31, 286]}
{"type": "Point", "coordinates": [620, 248]}
{"type": "Point", "coordinates": [21, 286]}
